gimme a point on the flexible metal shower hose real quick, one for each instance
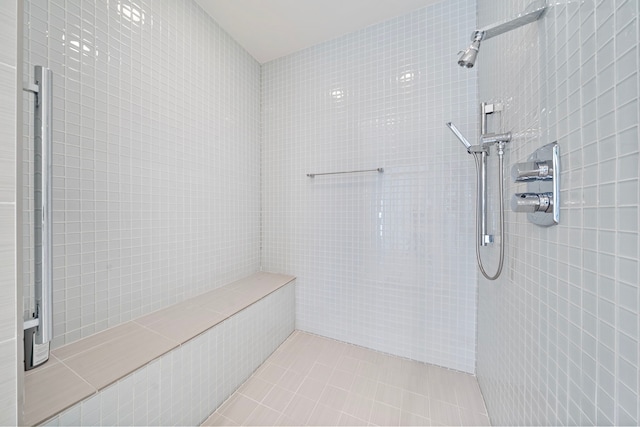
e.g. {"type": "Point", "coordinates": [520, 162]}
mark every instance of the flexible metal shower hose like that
{"type": "Point", "coordinates": [500, 190]}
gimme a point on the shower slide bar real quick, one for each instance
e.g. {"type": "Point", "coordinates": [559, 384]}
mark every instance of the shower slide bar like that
{"type": "Point", "coordinates": [38, 331]}
{"type": "Point", "coordinates": [313, 175]}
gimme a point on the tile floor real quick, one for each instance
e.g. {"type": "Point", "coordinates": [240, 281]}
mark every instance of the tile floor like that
{"type": "Point", "coordinates": [311, 380]}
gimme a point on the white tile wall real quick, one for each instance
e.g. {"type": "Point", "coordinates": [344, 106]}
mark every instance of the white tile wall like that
{"type": "Point", "coordinates": [186, 385]}
{"type": "Point", "coordinates": [558, 332]}
{"type": "Point", "coordinates": [157, 165]}
{"type": "Point", "coordinates": [382, 260]}
{"type": "Point", "coordinates": [10, 295]}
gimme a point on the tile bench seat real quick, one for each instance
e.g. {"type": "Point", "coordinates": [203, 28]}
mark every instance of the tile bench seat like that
{"type": "Point", "coordinates": [83, 368]}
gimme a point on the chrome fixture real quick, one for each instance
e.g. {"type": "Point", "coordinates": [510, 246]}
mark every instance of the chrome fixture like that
{"type": "Point", "coordinates": [531, 171]}
{"type": "Point", "coordinates": [542, 175]}
{"type": "Point", "coordinates": [313, 175]}
{"type": "Point", "coordinates": [38, 331]}
{"type": "Point", "coordinates": [532, 202]}
{"type": "Point", "coordinates": [495, 138]}
{"type": "Point", "coordinates": [531, 14]}
{"type": "Point", "coordinates": [460, 136]}
{"type": "Point", "coordinates": [480, 153]}
{"type": "Point", "coordinates": [469, 55]}
{"type": "Point", "coordinates": [487, 109]}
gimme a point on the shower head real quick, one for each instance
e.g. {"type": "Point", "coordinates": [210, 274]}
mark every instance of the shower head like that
{"type": "Point", "coordinates": [460, 136]}
{"type": "Point", "coordinates": [468, 57]}
{"type": "Point", "coordinates": [532, 13]}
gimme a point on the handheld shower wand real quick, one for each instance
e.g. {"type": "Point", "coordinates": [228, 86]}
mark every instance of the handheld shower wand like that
{"type": "Point", "coordinates": [460, 136]}
{"type": "Point", "coordinates": [480, 153]}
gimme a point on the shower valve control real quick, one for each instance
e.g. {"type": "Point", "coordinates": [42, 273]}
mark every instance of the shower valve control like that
{"type": "Point", "coordinates": [530, 171]}
{"type": "Point", "coordinates": [541, 173]}
{"type": "Point", "coordinates": [532, 202]}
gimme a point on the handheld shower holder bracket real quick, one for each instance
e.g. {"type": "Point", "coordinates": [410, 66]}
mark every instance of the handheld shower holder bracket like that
{"type": "Point", "coordinates": [478, 149]}
{"type": "Point", "coordinates": [499, 139]}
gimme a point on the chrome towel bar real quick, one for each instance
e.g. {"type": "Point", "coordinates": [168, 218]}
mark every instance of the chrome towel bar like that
{"type": "Point", "coordinates": [313, 175]}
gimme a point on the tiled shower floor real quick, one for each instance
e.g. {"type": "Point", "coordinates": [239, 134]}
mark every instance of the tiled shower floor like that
{"type": "Point", "coordinates": [311, 380]}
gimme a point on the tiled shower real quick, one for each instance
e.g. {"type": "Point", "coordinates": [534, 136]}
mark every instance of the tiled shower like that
{"type": "Point", "coordinates": [181, 164]}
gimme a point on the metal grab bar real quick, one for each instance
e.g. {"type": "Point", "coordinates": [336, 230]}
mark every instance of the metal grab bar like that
{"type": "Point", "coordinates": [38, 331]}
{"type": "Point", "coordinates": [313, 175]}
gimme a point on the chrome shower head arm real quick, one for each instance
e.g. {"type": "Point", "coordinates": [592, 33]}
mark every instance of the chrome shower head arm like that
{"type": "Point", "coordinates": [531, 14]}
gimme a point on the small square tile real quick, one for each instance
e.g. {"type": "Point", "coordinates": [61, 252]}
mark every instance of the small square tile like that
{"type": "Point", "coordinates": [333, 397]}
{"type": "Point", "coordinates": [299, 409]}
{"type": "Point", "coordinates": [262, 416]}
{"type": "Point", "coordinates": [415, 404]}
{"type": "Point", "coordinates": [219, 420]}
{"type": "Point", "coordinates": [348, 420]}
{"type": "Point", "coordinates": [320, 372]}
{"type": "Point", "coordinates": [389, 395]}
{"type": "Point", "coordinates": [324, 415]}
{"type": "Point", "coordinates": [278, 398]}
{"type": "Point", "coordinates": [357, 406]}
{"type": "Point", "coordinates": [270, 372]}
{"type": "Point", "coordinates": [311, 389]}
{"type": "Point", "coordinates": [444, 413]}
{"type": "Point", "coordinates": [384, 415]}
{"type": "Point", "coordinates": [256, 389]}
{"type": "Point", "coordinates": [51, 390]}
{"type": "Point", "coordinates": [238, 408]}
{"type": "Point", "coordinates": [104, 364]}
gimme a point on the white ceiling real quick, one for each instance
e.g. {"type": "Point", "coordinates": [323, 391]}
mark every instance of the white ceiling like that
{"type": "Point", "coordinates": [269, 29]}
